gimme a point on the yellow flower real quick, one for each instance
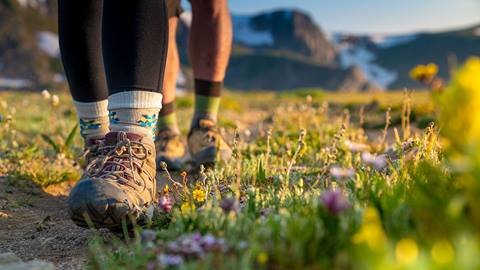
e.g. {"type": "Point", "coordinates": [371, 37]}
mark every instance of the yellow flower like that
{"type": "Point", "coordinates": [166, 189]}
{"type": "Point", "coordinates": [443, 252]}
{"type": "Point", "coordinates": [371, 232]}
{"type": "Point", "coordinates": [262, 258]}
{"type": "Point", "coordinates": [199, 194]}
{"type": "Point", "coordinates": [424, 72]}
{"type": "Point", "coordinates": [406, 251]}
{"type": "Point", "coordinates": [187, 208]}
{"type": "Point", "coordinates": [459, 110]}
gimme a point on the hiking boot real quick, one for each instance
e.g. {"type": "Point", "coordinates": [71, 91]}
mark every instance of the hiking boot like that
{"type": "Point", "coordinates": [206, 145]}
{"type": "Point", "coordinates": [170, 149]}
{"type": "Point", "coordinates": [119, 184]}
{"type": "Point", "coordinates": [91, 148]}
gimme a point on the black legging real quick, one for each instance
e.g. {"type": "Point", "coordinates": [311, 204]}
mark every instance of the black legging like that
{"type": "Point", "coordinates": [134, 41]}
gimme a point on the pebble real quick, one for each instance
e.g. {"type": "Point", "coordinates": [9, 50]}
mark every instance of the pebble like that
{"type": "Point", "coordinates": [10, 261]}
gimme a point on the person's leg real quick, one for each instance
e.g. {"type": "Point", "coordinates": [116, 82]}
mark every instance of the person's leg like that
{"type": "Point", "coordinates": [209, 50]}
{"type": "Point", "coordinates": [79, 27]}
{"type": "Point", "coordinates": [120, 185]}
{"type": "Point", "coordinates": [168, 118]}
{"type": "Point", "coordinates": [169, 144]}
{"type": "Point", "coordinates": [135, 38]}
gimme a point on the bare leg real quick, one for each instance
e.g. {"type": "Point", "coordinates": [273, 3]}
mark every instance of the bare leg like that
{"type": "Point", "coordinates": [210, 39]}
{"type": "Point", "coordinates": [173, 63]}
{"type": "Point", "coordinates": [210, 47]}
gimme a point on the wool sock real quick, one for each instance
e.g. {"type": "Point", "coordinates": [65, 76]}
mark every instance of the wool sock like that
{"type": "Point", "coordinates": [167, 118]}
{"type": "Point", "coordinates": [93, 118]}
{"type": "Point", "coordinates": [135, 112]}
{"type": "Point", "coordinates": [207, 100]}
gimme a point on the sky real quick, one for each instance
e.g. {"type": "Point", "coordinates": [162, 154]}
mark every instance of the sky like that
{"type": "Point", "coordinates": [375, 16]}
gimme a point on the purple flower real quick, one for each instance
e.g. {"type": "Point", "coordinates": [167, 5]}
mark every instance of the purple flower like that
{"type": "Point", "coordinates": [334, 202]}
{"type": "Point", "coordinates": [228, 204]}
{"type": "Point", "coordinates": [165, 204]}
{"type": "Point", "coordinates": [169, 260]}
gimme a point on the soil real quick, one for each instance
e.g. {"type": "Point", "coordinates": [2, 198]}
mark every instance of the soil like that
{"type": "Point", "coordinates": [34, 224]}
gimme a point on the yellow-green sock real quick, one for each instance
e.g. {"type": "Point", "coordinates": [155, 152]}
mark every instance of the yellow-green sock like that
{"type": "Point", "coordinates": [207, 100]}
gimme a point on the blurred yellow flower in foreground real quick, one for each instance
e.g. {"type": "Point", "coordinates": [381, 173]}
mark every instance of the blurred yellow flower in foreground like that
{"type": "Point", "coordinates": [262, 258]}
{"type": "Point", "coordinates": [443, 252]}
{"type": "Point", "coordinates": [460, 109]}
{"type": "Point", "coordinates": [371, 232]}
{"type": "Point", "coordinates": [424, 72]}
{"type": "Point", "coordinates": [406, 251]}
{"type": "Point", "coordinates": [187, 208]}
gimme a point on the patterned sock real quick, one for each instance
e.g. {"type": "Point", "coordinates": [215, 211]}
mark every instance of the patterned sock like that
{"type": "Point", "coordinates": [207, 100]}
{"type": "Point", "coordinates": [135, 112]}
{"type": "Point", "coordinates": [93, 118]}
{"type": "Point", "coordinates": [167, 118]}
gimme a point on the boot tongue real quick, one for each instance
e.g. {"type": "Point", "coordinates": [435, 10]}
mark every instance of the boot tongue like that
{"type": "Point", "coordinates": [206, 123]}
{"type": "Point", "coordinates": [113, 137]}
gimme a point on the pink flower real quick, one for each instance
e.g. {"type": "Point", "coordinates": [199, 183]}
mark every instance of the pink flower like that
{"type": "Point", "coordinates": [165, 204]}
{"type": "Point", "coordinates": [335, 202]}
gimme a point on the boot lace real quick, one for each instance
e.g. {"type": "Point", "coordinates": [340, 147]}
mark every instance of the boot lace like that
{"type": "Point", "coordinates": [119, 162]}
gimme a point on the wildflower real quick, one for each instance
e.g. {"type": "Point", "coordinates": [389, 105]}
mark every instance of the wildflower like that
{"type": "Point", "coordinates": [166, 189]}
{"type": "Point", "coordinates": [170, 260]}
{"type": "Point", "coordinates": [356, 147]}
{"type": "Point", "coordinates": [443, 252]}
{"type": "Point", "coordinates": [148, 237]}
{"type": "Point", "coordinates": [406, 251]}
{"type": "Point", "coordinates": [46, 94]}
{"type": "Point", "coordinates": [334, 202]}
{"type": "Point", "coordinates": [187, 208]}
{"type": "Point", "coordinates": [459, 110]}
{"type": "Point", "coordinates": [262, 258]}
{"type": "Point", "coordinates": [228, 204]}
{"type": "Point", "coordinates": [424, 73]}
{"type": "Point", "coordinates": [371, 232]}
{"type": "Point", "coordinates": [379, 162]}
{"type": "Point", "coordinates": [55, 100]}
{"type": "Point", "coordinates": [199, 194]}
{"type": "Point", "coordinates": [341, 173]}
{"type": "Point", "coordinates": [165, 204]}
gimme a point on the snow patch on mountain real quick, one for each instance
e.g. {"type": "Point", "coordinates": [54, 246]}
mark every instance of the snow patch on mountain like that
{"type": "Point", "coordinates": [476, 32]}
{"type": "Point", "coordinates": [48, 43]}
{"type": "Point", "coordinates": [31, 3]}
{"type": "Point", "coordinates": [186, 18]}
{"type": "Point", "coordinates": [245, 34]}
{"type": "Point", "coordinates": [385, 41]}
{"type": "Point", "coordinates": [357, 54]}
{"type": "Point", "coordinates": [14, 83]}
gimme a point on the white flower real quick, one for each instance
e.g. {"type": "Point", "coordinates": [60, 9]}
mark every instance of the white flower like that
{"type": "Point", "coordinates": [379, 162]}
{"type": "Point", "coordinates": [356, 147]}
{"type": "Point", "coordinates": [341, 173]}
{"type": "Point", "coordinates": [55, 100]}
{"type": "Point", "coordinates": [46, 94]}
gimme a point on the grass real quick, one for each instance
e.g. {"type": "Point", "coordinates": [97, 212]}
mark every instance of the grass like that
{"type": "Point", "coordinates": [300, 193]}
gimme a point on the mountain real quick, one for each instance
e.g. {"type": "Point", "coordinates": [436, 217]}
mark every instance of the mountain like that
{"type": "Point", "coordinates": [275, 50]}
{"type": "Point", "coordinates": [386, 60]}
{"type": "Point", "coordinates": [28, 49]}
{"type": "Point", "coordinates": [281, 50]}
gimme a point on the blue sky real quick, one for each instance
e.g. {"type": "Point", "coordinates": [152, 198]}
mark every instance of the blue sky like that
{"type": "Point", "coordinates": [375, 16]}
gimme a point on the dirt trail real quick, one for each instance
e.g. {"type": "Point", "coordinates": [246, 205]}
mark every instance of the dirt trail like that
{"type": "Point", "coordinates": [34, 224]}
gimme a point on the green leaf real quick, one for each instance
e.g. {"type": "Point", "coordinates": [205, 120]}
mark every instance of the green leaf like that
{"type": "Point", "coordinates": [49, 140]}
{"type": "Point", "coordinates": [70, 137]}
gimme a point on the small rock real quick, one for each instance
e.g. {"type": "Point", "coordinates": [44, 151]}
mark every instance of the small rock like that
{"type": "Point", "coordinates": [10, 261]}
{"type": "Point", "coordinates": [8, 257]}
